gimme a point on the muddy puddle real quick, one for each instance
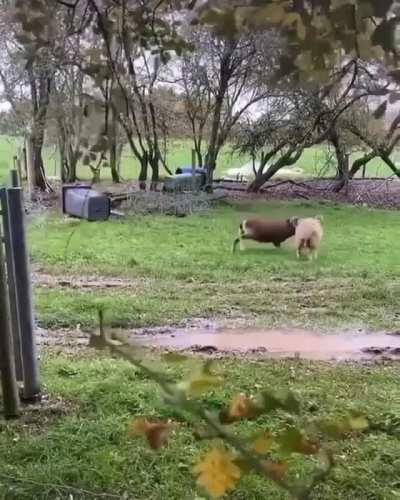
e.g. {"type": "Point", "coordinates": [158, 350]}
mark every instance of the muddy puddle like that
{"type": "Point", "coordinates": [278, 343]}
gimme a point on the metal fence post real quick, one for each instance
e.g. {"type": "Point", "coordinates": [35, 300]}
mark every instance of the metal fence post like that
{"type": "Point", "coordinates": [23, 293]}
{"type": "Point", "coordinates": [15, 326]}
{"type": "Point", "coordinates": [14, 177]}
{"type": "Point", "coordinates": [7, 366]}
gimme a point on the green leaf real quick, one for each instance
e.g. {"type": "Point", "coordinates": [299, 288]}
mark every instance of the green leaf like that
{"type": "Point", "coordinates": [293, 441]}
{"type": "Point", "coordinates": [358, 423]}
{"type": "Point", "coordinates": [291, 404]}
{"type": "Point", "coordinates": [201, 381]}
{"type": "Point", "coordinates": [271, 401]}
{"type": "Point", "coordinates": [380, 8]}
{"type": "Point", "coordinates": [174, 357]}
{"type": "Point", "coordinates": [384, 34]}
{"type": "Point", "coordinates": [339, 427]}
{"type": "Point", "coordinates": [222, 20]}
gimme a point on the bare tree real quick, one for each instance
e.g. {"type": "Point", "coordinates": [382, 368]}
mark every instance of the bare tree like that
{"type": "Point", "coordinates": [312, 117]}
{"type": "Point", "coordinates": [67, 110]}
{"type": "Point", "coordinates": [380, 145]}
{"type": "Point", "coordinates": [222, 80]}
{"type": "Point", "coordinates": [31, 48]}
{"type": "Point", "coordinates": [376, 132]}
{"type": "Point", "coordinates": [134, 69]}
{"type": "Point", "coordinates": [276, 139]}
{"type": "Point", "coordinates": [198, 98]}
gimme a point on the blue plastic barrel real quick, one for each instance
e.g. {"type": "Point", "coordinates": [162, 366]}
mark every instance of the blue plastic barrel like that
{"type": "Point", "coordinates": [188, 170]}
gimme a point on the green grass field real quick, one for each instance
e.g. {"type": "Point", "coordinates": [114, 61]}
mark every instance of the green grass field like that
{"type": "Point", "coordinates": [81, 449]}
{"type": "Point", "coordinates": [79, 446]}
{"type": "Point", "coordinates": [312, 161]}
{"type": "Point", "coordinates": [180, 263]}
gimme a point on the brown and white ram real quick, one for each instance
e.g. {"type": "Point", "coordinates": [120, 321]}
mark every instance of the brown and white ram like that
{"type": "Point", "coordinates": [264, 230]}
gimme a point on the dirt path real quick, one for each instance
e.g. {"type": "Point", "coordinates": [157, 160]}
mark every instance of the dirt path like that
{"type": "Point", "coordinates": [47, 280]}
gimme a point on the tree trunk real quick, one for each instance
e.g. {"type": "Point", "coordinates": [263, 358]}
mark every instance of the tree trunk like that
{"type": "Point", "coordinates": [113, 140]}
{"type": "Point", "coordinates": [199, 159]}
{"type": "Point", "coordinates": [40, 93]}
{"type": "Point", "coordinates": [40, 174]}
{"type": "Point", "coordinates": [361, 163]}
{"type": "Point", "coordinates": [24, 162]}
{"type": "Point", "coordinates": [364, 171]}
{"type": "Point", "coordinates": [155, 173]}
{"type": "Point", "coordinates": [143, 172]}
{"type": "Point", "coordinates": [62, 148]}
{"type": "Point", "coordinates": [95, 175]}
{"type": "Point", "coordinates": [213, 148]}
{"type": "Point", "coordinates": [30, 171]}
{"type": "Point", "coordinates": [114, 164]}
{"type": "Point", "coordinates": [386, 158]}
{"type": "Point", "coordinates": [287, 159]}
{"type": "Point", "coordinates": [68, 157]}
{"type": "Point", "coordinates": [197, 148]}
{"type": "Point", "coordinates": [262, 178]}
{"type": "Point", "coordinates": [71, 164]}
{"type": "Point", "coordinates": [342, 162]}
{"type": "Point", "coordinates": [63, 162]}
{"type": "Point", "coordinates": [212, 152]}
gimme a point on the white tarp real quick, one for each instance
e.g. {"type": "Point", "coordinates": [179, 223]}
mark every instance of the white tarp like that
{"type": "Point", "coordinates": [245, 172]}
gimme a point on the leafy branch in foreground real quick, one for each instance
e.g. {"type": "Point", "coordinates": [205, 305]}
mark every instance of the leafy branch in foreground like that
{"type": "Point", "coordinates": [233, 455]}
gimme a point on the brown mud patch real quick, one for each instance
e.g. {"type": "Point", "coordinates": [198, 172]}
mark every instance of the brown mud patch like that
{"type": "Point", "coordinates": [214, 339]}
{"type": "Point", "coordinates": [279, 343]}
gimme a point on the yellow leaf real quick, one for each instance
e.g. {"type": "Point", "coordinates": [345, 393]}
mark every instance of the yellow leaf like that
{"type": "Point", "coordinates": [301, 30]}
{"type": "Point", "coordinates": [217, 473]}
{"type": "Point", "coordinates": [262, 443]}
{"type": "Point", "coordinates": [242, 406]}
{"type": "Point", "coordinates": [156, 433]}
